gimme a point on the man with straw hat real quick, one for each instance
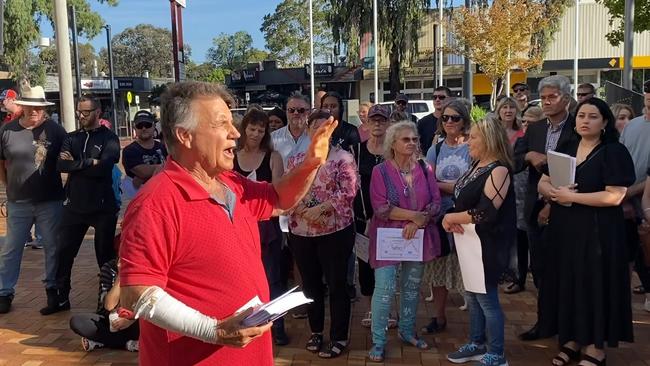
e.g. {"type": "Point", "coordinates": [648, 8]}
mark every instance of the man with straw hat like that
{"type": "Point", "coordinates": [29, 149]}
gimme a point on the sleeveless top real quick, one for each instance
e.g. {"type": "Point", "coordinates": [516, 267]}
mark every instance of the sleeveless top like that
{"type": "Point", "coordinates": [262, 173]}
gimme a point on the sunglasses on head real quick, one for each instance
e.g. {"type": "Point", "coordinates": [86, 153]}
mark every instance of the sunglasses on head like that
{"type": "Point", "coordinates": [143, 125]}
{"type": "Point", "coordinates": [296, 110]}
{"type": "Point", "coordinates": [520, 89]}
{"type": "Point", "coordinates": [439, 97]}
{"type": "Point", "coordinates": [446, 118]}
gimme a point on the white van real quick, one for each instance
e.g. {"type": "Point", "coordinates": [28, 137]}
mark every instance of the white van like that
{"type": "Point", "coordinates": [418, 108]}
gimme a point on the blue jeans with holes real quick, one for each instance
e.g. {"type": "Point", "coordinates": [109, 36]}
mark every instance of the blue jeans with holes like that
{"type": "Point", "coordinates": [382, 298]}
{"type": "Point", "coordinates": [20, 218]}
{"type": "Point", "coordinates": [486, 319]}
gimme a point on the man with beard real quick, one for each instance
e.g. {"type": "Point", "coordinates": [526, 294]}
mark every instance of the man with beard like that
{"type": "Point", "coordinates": [145, 156]}
{"type": "Point", "coordinates": [522, 96]}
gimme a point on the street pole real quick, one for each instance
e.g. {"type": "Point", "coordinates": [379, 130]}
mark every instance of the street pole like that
{"type": "Point", "coordinates": [576, 51]}
{"type": "Point", "coordinates": [467, 73]}
{"type": "Point", "coordinates": [2, 27]}
{"type": "Point", "coordinates": [65, 72]}
{"type": "Point", "coordinates": [311, 53]}
{"type": "Point", "coordinates": [440, 70]}
{"type": "Point", "coordinates": [628, 45]}
{"type": "Point", "coordinates": [112, 79]}
{"type": "Point", "coordinates": [375, 37]}
{"type": "Point", "coordinates": [75, 43]}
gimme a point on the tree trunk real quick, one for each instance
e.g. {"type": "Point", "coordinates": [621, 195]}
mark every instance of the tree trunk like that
{"type": "Point", "coordinates": [497, 89]}
{"type": "Point", "coordinates": [394, 73]}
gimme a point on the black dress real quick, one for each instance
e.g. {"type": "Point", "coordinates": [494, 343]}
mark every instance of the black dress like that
{"type": "Point", "coordinates": [495, 227]}
{"type": "Point", "coordinates": [585, 295]}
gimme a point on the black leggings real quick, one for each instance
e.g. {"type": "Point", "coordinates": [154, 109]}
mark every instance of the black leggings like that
{"type": "Point", "coordinates": [96, 328]}
{"type": "Point", "coordinates": [325, 255]}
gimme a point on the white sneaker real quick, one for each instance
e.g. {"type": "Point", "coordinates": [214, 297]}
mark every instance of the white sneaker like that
{"type": "Point", "coordinates": [89, 345]}
{"type": "Point", "coordinates": [132, 346]}
{"type": "Point", "coordinates": [646, 305]}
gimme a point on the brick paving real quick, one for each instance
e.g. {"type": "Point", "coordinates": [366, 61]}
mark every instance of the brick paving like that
{"type": "Point", "coordinates": [29, 339]}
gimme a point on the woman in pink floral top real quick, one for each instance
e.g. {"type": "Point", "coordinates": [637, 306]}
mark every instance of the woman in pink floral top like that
{"type": "Point", "coordinates": [321, 237]}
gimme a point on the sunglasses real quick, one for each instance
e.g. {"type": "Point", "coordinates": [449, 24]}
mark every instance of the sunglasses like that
{"type": "Point", "coordinates": [439, 97]}
{"type": "Point", "coordinates": [85, 113]}
{"type": "Point", "coordinates": [583, 94]}
{"type": "Point", "coordinates": [143, 125]}
{"type": "Point", "coordinates": [455, 119]}
{"type": "Point", "coordinates": [406, 140]}
{"type": "Point", "coordinates": [297, 110]}
{"type": "Point", "coordinates": [401, 102]}
{"type": "Point", "coordinates": [517, 90]}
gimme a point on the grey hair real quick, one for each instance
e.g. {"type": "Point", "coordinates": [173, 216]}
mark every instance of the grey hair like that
{"type": "Point", "coordinates": [391, 134]}
{"type": "Point", "coordinates": [559, 82]}
{"type": "Point", "coordinates": [176, 107]}
{"type": "Point", "coordinates": [299, 96]}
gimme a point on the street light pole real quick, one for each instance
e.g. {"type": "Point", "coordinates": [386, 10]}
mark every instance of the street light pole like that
{"type": "Point", "coordinates": [65, 72]}
{"type": "Point", "coordinates": [112, 80]}
{"type": "Point", "coordinates": [311, 53]}
{"type": "Point", "coordinates": [576, 51]}
{"type": "Point", "coordinates": [467, 73]}
{"type": "Point", "coordinates": [75, 43]}
{"type": "Point", "coordinates": [628, 44]}
{"type": "Point", "coordinates": [375, 36]}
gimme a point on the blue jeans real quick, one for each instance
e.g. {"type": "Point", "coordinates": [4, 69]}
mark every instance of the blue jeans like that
{"type": "Point", "coordinates": [382, 298]}
{"type": "Point", "coordinates": [486, 316]}
{"type": "Point", "coordinates": [20, 218]}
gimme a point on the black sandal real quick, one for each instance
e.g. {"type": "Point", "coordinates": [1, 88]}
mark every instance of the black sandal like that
{"type": "Point", "coordinates": [572, 354]}
{"type": "Point", "coordinates": [315, 343]}
{"type": "Point", "coordinates": [334, 349]}
{"type": "Point", "coordinates": [593, 360]}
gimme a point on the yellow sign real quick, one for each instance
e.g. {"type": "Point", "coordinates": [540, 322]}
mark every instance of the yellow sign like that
{"type": "Point", "coordinates": [638, 62]}
{"type": "Point", "coordinates": [612, 62]}
{"type": "Point", "coordinates": [129, 97]}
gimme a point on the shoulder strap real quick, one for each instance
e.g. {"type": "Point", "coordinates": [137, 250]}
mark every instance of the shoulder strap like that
{"type": "Point", "coordinates": [391, 192]}
{"type": "Point", "coordinates": [438, 147]}
{"type": "Point", "coordinates": [423, 165]}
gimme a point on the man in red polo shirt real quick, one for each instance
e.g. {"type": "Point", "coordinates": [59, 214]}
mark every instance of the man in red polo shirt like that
{"type": "Point", "coordinates": [190, 249]}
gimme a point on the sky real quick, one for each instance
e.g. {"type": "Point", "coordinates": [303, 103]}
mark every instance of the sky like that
{"type": "Point", "coordinates": [202, 20]}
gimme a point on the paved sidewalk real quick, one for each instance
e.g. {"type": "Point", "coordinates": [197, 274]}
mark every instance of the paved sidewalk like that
{"type": "Point", "coordinates": [29, 339]}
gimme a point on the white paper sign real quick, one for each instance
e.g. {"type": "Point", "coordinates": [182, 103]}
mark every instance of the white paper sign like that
{"type": "Point", "coordinates": [391, 246]}
{"type": "Point", "coordinates": [362, 247]}
{"type": "Point", "coordinates": [470, 256]}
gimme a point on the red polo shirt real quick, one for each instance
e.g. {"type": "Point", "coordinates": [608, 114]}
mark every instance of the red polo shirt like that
{"type": "Point", "coordinates": [176, 237]}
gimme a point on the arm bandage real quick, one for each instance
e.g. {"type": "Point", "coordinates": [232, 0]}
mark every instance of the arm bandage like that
{"type": "Point", "coordinates": [160, 308]}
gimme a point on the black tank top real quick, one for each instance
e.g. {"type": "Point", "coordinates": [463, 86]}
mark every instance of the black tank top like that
{"type": "Point", "coordinates": [263, 172]}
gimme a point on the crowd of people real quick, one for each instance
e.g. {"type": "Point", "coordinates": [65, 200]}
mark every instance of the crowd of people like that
{"type": "Point", "coordinates": [231, 209]}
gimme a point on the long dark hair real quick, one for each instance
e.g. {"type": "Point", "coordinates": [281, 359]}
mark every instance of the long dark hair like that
{"type": "Point", "coordinates": [258, 118]}
{"type": "Point", "coordinates": [282, 115]}
{"type": "Point", "coordinates": [610, 134]}
{"type": "Point", "coordinates": [339, 100]}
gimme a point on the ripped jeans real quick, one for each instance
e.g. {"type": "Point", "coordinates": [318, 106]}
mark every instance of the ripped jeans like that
{"type": "Point", "coordinates": [382, 298]}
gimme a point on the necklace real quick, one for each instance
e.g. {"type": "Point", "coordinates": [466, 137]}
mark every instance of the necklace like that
{"type": "Point", "coordinates": [402, 176]}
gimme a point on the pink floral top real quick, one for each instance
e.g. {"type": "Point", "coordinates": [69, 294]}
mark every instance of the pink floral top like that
{"type": "Point", "coordinates": [336, 183]}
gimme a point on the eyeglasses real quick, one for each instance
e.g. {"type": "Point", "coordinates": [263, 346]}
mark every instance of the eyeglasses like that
{"type": "Point", "coordinates": [583, 94]}
{"type": "Point", "coordinates": [297, 110]}
{"type": "Point", "coordinates": [378, 120]}
{"type": "Point", "coordinates": [517, 90]}
{"type": "Point", "coordinates": [143, 125]}
{"type": "Point", "coordinates": [400, 102]}
{"type": "Point", "coordinates": [85, 113]}
{"type": "Point", "coordinates": [439, 97]}
{"type": "Point", "coordinates": [455, 119]}
{"type": "Point", "coordinates": [406, 140]}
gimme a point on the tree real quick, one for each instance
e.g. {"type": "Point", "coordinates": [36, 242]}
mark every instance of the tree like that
{"type": "Point", "coordinates": [205, 72]}
{"type": "Point", "coordinates": [24, 18]}
{"type": "Point", "coordinates": [498, 37]}
{"type": "Point", "coordinates": [616, 10]}
{"type": "Point", "coordinates": [399, 26]}
{"type": "Point", "coordinates": [87, 58]}
{"type": "Point", "coordinates": [142, 48]}
{"type": "Point", "coordinates": [286, 31]}
{"type": "Point", "coordinates": [234, 51]}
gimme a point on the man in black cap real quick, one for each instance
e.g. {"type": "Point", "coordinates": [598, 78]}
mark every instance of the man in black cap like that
{"type": "Point", "coordinates": [145, 156]}
{"type": "Point", "coordinates": [401, 101]}
{"type": "Point", "coordinates": [522, 95]}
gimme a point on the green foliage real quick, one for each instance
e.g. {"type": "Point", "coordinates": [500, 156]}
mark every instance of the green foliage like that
{"type": "Point", "coordinates": [286, 31]}
{"type": "Point", "coordinates": [234, 51]}
{"type": "Point", "coordinates": [142, 48]}
{"type": "Point", "coordinates": [540, 40]}
{"type": "Point", "coordinates": [24, 18]}
{"type": "Point", "coordinates": [87, 56]}
{"type": "Point", "coordinates": [616, 10]}
{"type": "Point", "coordinates": [477, 113]}
{"type": "Point", "coordinates": [399, 29]}
{"type": "Point", "coordinates": [205, 72]}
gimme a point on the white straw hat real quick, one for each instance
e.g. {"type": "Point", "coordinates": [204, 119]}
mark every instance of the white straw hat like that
{"type": "Point", "coordinates": [34, 96]}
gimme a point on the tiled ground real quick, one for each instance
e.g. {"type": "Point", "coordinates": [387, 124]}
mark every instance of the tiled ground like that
{"type": "Point", "coordinates": [29, 339]}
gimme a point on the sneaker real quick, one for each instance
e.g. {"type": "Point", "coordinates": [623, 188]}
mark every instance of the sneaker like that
{"type": "Point", "coordinates": [89, 345]}
{"type": "Point", "coordinates": [133, 346]}
{"type": "Point", "coordinates": [5, 303]}
{"type": "Point", "coordinates": [468, 352]}
{"type": "Point", "coordinates": [491, 359]}
{"type": "Point", "coordinates": [367, 320]}
{"type": "Point", "coordinates": [646, 305]}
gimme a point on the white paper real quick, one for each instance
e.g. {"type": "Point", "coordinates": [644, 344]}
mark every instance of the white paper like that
{"type": "Point", "coordinates": [274, 309]}
{"type": "Point", "coordinates": [562, 168]}
{"type": "Point", "coordinates": [391, 246]}
{"type": "Point", "coordinates": [362, 247]}
{"type": "Point", "coordinates": [470, 256]}
{"type": "Point", "coordinates": [284, 223]}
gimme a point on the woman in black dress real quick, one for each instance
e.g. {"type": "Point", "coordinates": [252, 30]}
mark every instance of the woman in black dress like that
{"type": "Point", "coordinates": [585, 297]}
{"type": "Point", "coordinates": [256, 160]}
{"type": "Point", "coordinates": [485, 196]}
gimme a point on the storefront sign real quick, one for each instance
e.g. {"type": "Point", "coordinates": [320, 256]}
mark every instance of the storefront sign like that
{"type": "Point", "coordinates": [320, 70]}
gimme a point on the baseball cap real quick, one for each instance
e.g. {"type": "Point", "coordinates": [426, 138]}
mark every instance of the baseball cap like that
{"type": "Point", "coordinates": [401, 98]}
{"type": "Point", "coordinates": [143, 116]}
{"type": "Point", "coordinates": [379, 110]}
{"type": "Point", "coordinates": [8, 93]}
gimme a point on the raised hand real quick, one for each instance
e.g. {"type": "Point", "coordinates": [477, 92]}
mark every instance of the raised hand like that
{"type": "Point", "coordinates": [316, 154]}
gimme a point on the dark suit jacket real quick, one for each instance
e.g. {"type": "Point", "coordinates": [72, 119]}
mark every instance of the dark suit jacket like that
{"type": "Point", "coordinates": [535, 140]}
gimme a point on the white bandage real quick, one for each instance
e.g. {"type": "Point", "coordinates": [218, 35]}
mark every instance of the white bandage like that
{"type": "Point", "coordinates": [160, 308]}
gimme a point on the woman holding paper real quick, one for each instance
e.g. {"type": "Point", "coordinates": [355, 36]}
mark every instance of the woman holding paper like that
{"type": "Point", "coordinates": [405, 196]}
{"type": "Point", "coordinates": [321, 238]}
{"type": "Point", "coordinates": [586, 289]}
{"type": "Point", "coordinates": [484, 197]}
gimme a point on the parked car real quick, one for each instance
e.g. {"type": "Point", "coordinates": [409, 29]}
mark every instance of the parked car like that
{"type": "Point", "coordinates": [418, 108]}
